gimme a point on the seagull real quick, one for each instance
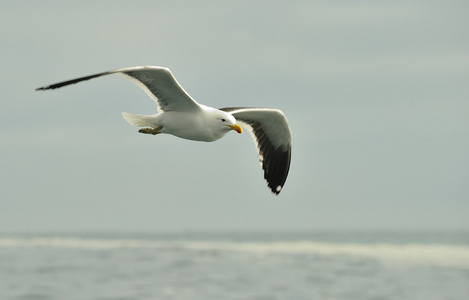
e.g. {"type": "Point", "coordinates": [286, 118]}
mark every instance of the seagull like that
{"type": "Point", "coordinates": [182, 116]}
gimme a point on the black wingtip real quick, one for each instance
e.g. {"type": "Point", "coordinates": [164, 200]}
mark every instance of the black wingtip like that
{"type": "Point", "coordinates": [72, 81]}
{"type": "Point", "coordinates": [276, 166]}
{"type": "Point", "coordinates": [276, 191]}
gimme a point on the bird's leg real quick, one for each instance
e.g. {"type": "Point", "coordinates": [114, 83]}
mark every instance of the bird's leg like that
{"type": "Point", "coordinates": [153, 131]}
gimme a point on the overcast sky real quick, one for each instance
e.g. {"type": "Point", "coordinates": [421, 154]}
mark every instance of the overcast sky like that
{"type": "Point", "coordinates": [376, 93]}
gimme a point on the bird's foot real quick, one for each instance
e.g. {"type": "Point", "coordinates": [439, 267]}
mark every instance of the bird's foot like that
{"type": "Point", "coordinates": [153, 131]}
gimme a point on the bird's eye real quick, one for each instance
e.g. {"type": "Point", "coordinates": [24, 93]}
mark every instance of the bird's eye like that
{"type": "Point", "coordinates": [223, 120]}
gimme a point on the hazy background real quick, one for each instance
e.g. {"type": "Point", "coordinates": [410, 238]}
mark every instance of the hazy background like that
{"type": "Point", "coordinates": [376, 93]}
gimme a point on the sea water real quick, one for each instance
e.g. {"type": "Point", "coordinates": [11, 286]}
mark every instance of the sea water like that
{"type": "Point", "coordinates": [296, 266]}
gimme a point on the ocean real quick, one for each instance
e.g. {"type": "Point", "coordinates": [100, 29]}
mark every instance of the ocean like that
{"type": "Point", "coordinates": [264, 266]}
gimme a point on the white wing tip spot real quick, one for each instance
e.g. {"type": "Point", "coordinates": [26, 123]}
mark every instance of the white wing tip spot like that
{"type": "Point", "coordinates": [278, 188]}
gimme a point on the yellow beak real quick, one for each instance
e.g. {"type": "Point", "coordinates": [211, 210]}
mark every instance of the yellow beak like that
{"type": "Point", "coordinates": [236, 128]}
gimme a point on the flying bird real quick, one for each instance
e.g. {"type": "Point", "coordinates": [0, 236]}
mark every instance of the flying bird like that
{"type": "Point", "coordinates": [182, 116]}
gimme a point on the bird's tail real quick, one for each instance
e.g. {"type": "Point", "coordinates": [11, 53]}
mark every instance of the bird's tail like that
{"type": "Point", "coordinates": [139, 120]}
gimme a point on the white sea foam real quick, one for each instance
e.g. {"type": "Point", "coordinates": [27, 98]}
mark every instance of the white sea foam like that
{"type": "Point", "coordinates": [442, 255]}
{"type": "Point", "coordinates": [430, 254]}
{"type": "Point", "coordinates": [188, 267]}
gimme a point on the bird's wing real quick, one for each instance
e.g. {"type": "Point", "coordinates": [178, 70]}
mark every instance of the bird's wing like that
{"type": "Point", "coordinates": [158, 82]}
{"type": "Point", "coordinates": [272, 135]}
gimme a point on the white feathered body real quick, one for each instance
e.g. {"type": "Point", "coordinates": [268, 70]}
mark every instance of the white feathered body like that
{"type": "Point", "coordinates": [186, 125]}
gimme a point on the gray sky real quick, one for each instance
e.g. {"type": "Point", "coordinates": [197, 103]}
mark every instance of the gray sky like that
{"type": "Point", "coordinates": [376, 93]}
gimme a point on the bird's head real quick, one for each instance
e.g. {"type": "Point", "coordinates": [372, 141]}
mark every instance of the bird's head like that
{"type": "Point", "coordinates": [225, 120]}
